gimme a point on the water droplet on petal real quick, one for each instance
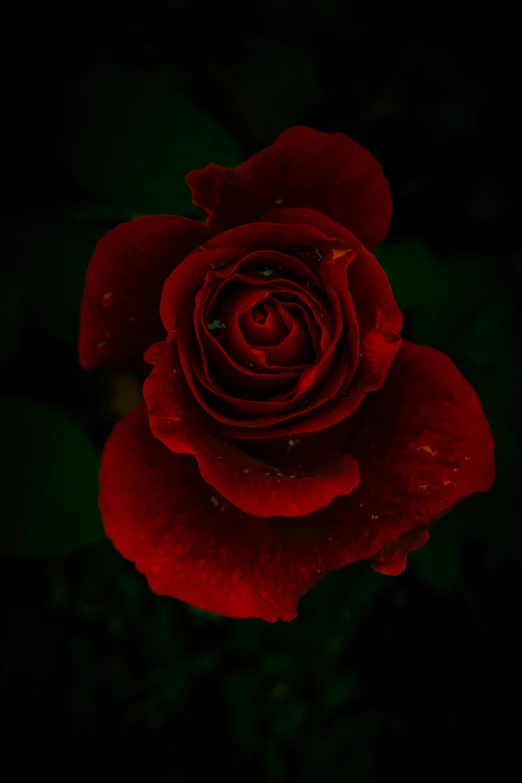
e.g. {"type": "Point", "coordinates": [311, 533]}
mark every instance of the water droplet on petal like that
{"type": "Point", "coordinates": [216, 324]}
{"type": "Point", "coordinates": [428, 450]}
{"type": "Point", "coordinates": [107, 299]}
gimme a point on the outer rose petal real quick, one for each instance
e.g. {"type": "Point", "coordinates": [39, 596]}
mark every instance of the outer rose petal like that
{"type": "Point", "coordinates": [423, 445]}
{"type": "Point", "coordinates": [393, 560]}
{"type": "Point", "coordinates": [190, 542]}
{"type": "Point", "coordinates": [303, 168]}
{"type": "Point", "coordinates": [120, 308]}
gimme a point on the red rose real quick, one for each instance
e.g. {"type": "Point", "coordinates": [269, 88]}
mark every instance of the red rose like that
{"type": "Point", "coordinates": [287, 429]}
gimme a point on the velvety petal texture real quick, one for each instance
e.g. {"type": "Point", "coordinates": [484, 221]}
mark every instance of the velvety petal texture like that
{"type": "Point", "coordinates": [287, 429]}
{"type": "Point", "coordinates": [119, 315]}
{"type": "Point", "coordinates": [422, 444]}
{"type": "Point", "coordinates": [328, 172]}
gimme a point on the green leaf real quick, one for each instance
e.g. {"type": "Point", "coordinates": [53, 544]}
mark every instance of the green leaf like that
{"type": "Point", "coordinates": [131, 137]}
{"type": "Point", "coordinates": [437, 562]}
{"type": "Point", "coordinates": [492, 338]}
{"type": "Point", "coordinates": [50, 483]}
{"type": "Point", "coordinates": [11, 309]}
{"type": "Point", "coordinates": [439, 296]}
{"type": "Point", "coordinates": [54, 258]}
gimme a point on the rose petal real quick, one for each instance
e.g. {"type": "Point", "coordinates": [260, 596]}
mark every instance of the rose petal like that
{"type": "Point", "coordinates": [254, 486]}
{"type": "Point", "coordinates": [189, 541]}
{"type": "Point", "coordinates": [328, 172]}
{"type": "Point", "coordinates": [368, 284]}
{"type": "Point", "coordinates": [120, 307]}
{"type": "Point", "coordinates": [423, 445]}
{"type": "Point", "coordinates": [392, 561]}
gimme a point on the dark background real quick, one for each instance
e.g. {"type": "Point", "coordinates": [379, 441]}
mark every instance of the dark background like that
{"type": "Point", "coordinates": [107, 109]}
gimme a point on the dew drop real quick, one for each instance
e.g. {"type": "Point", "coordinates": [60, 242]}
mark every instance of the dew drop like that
{"type": "Point", "coordinates": [423, 486]}
{"type": "Point", "coordinates": [375, 516]}
{"type": "Point", "coordinates": [107, 299]}
{"type": "Point", "coordinates": [216, 324]}
{"type": "Point", "coordinates": [428, 450]}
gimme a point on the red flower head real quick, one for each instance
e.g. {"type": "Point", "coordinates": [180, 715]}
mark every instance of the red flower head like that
{"type": "Point", "coordinates": [287, 429]}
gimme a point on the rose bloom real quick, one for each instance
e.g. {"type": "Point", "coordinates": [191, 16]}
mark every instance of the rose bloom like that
{"type": "Point", "coordinates": [287, 429]}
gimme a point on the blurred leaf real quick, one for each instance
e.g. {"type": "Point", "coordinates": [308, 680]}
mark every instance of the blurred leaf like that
{"type": "Point", "coordinates": [124, 393]}
{"type": "Point", "coordinates": [201, 616]}
{"type": "Point", "coordinates": [274, 764]}
{"type": "Point", "coordinates": [10, 314]}
{"type": "Point", "coordinates": [492, 338]}
{"type": "Point", "coordinates": [437, 295]}
{"type": "Point", "coordinates": [437, 562]}
{"type": "Point", "coordinates": [50, 483]}
{"type": "Point", "coordinates": [338, 688]}
{"type": "Point", "coordinates": [54, 257]}
{"type": "Point", "coordinates": [131, 137]}
{"type": "Point", "coordinates": [276, 90]}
